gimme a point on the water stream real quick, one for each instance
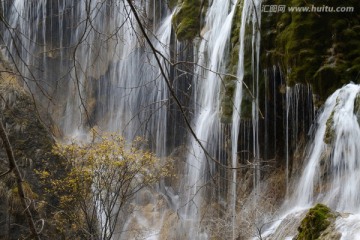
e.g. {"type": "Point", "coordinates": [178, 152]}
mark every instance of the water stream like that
{"type": "Point", "coordinates": [99, 74]}
{"type": "Point", "coordinates": [87, 65]}
{"type": "Point", "coordinates": [331, 170]}
{"type": "Point", "coordinates": [208, 129]}
{"type": "Point", "coordinates": [249, 13]}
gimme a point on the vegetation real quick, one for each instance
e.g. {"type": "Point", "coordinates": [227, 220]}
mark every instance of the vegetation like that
{"type": "Point", "coordinates": [28, 144]}
{"type": "Point", "coordinates": [90, 185]}
{"type": "Point", "coordinates": [63, 186]}
{"type": "Point", "coordinates": [329, 131]}
{"type": "Point", "coordinates": [316, 220]}
{"type": "Point", "coordinates": [102, 178]}
{"type": "Point", "coordinates": [187, 19]}
{"type": "Point", "coordinates": [318, 48]}
{"type": "Point", "coordinates": [229, 82]}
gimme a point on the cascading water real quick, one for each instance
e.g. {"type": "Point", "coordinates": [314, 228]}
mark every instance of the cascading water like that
{"type": "Point", "coordinates": [207, 124]}
{"type": "Point", "coordinates": [299, 115]}
{"type": "Point", "coordinates": [94, 80]}
{"type": "Point", "coordinates": [151, 223]}
{"type": "Point", "coordinates": [96, 71]}
{"type": "Point", "coordinates": [92, 52]}
{"type": "Point", "coordinates": [108, 80]}
{"type": "Point", "coordinates": [249, 13]}
{"type": "Point", "coordinates": [99, 73]}
{"type": "Point", "coordinates": [331, 172]}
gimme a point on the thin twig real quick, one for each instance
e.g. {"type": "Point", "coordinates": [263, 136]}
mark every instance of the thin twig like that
{"type": "Point", "coordinates": [19, 181]}
{"type": "Point", "coordinates": [171, 90]}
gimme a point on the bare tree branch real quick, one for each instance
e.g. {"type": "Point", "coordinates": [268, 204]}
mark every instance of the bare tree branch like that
{"type": "Point", "coordinates": [13, 167]}
{"type": "Point", "coordinates": [172, 92]}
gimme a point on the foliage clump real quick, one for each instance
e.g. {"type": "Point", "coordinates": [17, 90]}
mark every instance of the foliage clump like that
{"type": "Point", "coordinates": [31, 143]}
{"type": "Point", "coordinates": [14, 198]}
{"type": "Point", "coordinates": [102, 178]}
{"type": "Point", "coordinates": [315, 222]}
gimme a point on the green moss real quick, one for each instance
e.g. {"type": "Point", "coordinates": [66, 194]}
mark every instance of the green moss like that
{"type": "Point", "coordinates": [321, 49]}
{"type": "Point", "coordinates": [187, 19]}
{"type": "Point", "coordinates": [171, 4]}
{"type": "Point", "coordinates": [329, 131]}
{"type": "Point", "coordinates": [246, 107]}
{"type": "Point", "coordinates": [229, 81]}
{"type": "Point", "coordinates": [357, 107]}
{"type": "Point", "coordinates": [326, 80]}
{"type": "Point", "coordinates": [315, 221]}
{"type": "Point", "coordinates": [27, 190]}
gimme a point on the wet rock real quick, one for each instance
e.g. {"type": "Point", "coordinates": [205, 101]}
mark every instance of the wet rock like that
{"type": "Point", "coordinates": [32, 145]}
{"type": "Point", "coordinates": [317, 220]}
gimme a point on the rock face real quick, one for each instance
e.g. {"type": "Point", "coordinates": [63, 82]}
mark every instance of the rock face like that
{"type": "Point", "coordinates": [318, 48]}
{"type": "Point", "coordinates": [187, 19]}
{"type": "Point", "coordinates": [316, 224]}
{"type": "Point", "coordinates": [32, 145]}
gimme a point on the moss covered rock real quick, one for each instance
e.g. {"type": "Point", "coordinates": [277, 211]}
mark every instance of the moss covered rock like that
{"type": "Point", "coordinates": [329, 131]}
{"type": "Point", "coordinates": [171, 4]}
{"type": "Point", "coordinates": [229, 81]}
{"type": "Point", "coordinates": [316, 48]}
{"type": "Point", "coordinates": [187, 20]}
{"type": "Point", "coordinates": [315, 222]}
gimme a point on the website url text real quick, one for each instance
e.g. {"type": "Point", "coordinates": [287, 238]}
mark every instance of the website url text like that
{"type": "Point", "coordinates": [309, 9]}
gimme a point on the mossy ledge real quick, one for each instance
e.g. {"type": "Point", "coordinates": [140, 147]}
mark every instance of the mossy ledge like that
{"type": "Point", "coordinates": [229, 81]}
{"type": "Point", "coordinates": [187, 20]}
{"type": "Point", "coordinates": [318, 48]}
{"type": "Point", "coordinates": [315, 222]}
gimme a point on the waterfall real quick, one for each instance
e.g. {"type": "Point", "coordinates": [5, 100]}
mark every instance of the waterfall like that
{"type": "Point", "coordinates": [93, 66]}
{"type": "Point", "coordinates": [298, 117]}
{"type": "Point", "coordinates": [98, 73]}
{"type": "Point", "coordinates": [206, 122]}
{"type": "Point", "coordinates": [88, 65]}
{"type": "Point", "coordinates": [331, 168]}
{"type": "Point", "coordinates": [249, 12]}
